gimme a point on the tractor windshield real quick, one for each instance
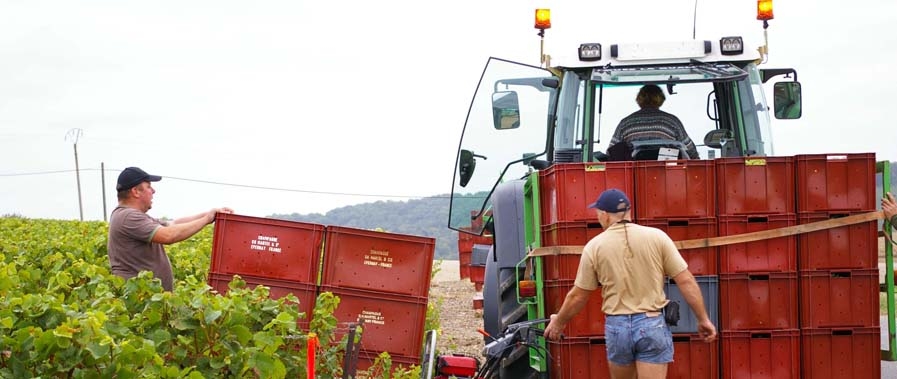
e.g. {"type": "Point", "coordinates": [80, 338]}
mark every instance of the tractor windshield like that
{"type": "Point", "coordinates": [706, 99]}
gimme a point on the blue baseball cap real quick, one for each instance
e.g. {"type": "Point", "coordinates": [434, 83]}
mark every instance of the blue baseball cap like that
{"type": "Point", "coordinates": [611, 201]}
{"type": "Point", "coordinates": [133, 176]}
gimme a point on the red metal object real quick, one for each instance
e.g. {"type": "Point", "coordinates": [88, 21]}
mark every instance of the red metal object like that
{"type": "Point", "coordinates": [392, 323]}
{"type": "Point", "coordinates": [758, 301]}
{"type": "Point", "coordinates": [693, 358]}
{"type": "Point", "coordinates": [464, 264]}
{"type": "Point", "coordinates": [266, 248]}
{"type": "Point", "coordinates": [751, 185]}
{"type": "Point", "coordinates": [841, 353]}
{"type": "Point", "coordinates": [674, 189]}
{"type": "Point", "coordinates": [761, 354]}
{"type": "Point", "coordinates": [311, 348]}
{"type": "Point", "coordinates": [701, 261]}
{"type": "Point", "coordinates": [457, 365]}
{"type": "Point", "coordinates": [835, 182]}
{"type": "Point", "coordinates": [775, 254]}
{"type": "Point", "coordinates": [478, 301]}
{"type": "Point", "coordinates": [566, 189]}
{"type": "Point", "coordinates": [478, 274]}
{"type": "Point", "coordinates": [570, 233]}
{"type": "Point", "coordinates": [839, 298]}
{"type": "Point", "coordinates": [579, 358]}
{"type": "Point", "coordinates": [378, 261]}
{"type": "Point", "coordinates": [305, 293]}
{"type": "Point", "coordinates": [850, 246]}
{"type": "Point", "coordinates": [587, 323]}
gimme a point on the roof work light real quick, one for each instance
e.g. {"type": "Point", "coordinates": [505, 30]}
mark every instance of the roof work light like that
{"type": "Point", "coordinates": [764, 10]}
{"type": "Point", "coordinates": [731, 45]}
{"type": "Point", "coordinates": [590, 52]}
{"type": "Point", "coordinates": [543, 18]}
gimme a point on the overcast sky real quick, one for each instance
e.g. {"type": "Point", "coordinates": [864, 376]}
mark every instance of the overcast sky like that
{"type": "Point", "coordinates": [342, 102]}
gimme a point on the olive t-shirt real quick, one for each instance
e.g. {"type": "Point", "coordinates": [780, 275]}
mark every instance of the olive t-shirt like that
{"type": "Point", "coordinates": [629, 262]}
{"type": "Point", "coordinates": [131, 249]}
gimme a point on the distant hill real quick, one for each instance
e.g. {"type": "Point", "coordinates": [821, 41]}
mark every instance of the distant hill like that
{"type": "Point", "coordinates": [424, 217]}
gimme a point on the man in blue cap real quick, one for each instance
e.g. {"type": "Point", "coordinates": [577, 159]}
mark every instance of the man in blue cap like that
{"type": "Point", "coordinates": [630, 262]}
{"type": "Point", "coordinates": [136, 239]}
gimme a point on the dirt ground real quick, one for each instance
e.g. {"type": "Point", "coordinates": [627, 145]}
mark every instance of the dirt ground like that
{"type": "Point", "coordinates": [457, 317]}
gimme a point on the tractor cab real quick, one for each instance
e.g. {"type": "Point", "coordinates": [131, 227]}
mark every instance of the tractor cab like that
{"type": "Point", "coordinates": [524, 118]}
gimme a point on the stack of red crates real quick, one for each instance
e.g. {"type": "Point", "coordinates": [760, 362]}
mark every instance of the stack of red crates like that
{"type": "Point", "coordinates": [679, 197]}
{"type": "Point", "coordinates": [758, 280]}
{"type": "Point", "coordinates": [566, 190]}
{"type": "Point", "coordinates": [838, 268]}
{"type": "Point", "coordinates": [382, 280]}
{"type": "Point", "coordinates": [475, 271]}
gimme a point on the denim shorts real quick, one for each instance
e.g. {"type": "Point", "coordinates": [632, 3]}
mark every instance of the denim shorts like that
{"type": "Point", "coordinates": [637, 337]}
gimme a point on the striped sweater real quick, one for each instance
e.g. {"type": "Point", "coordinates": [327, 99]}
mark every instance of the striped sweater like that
{"type": "Point", "coordinates": [653, 123]}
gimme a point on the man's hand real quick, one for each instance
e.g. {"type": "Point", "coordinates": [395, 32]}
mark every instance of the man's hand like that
{"type": "Point", "coordinates": [707, 330]}
{"type": "Point", "coordinates": [211, 214]}
{"type": "Point", "coordinates": [554, 330]}
{"type": "Point", "coordinates": [889, 206]}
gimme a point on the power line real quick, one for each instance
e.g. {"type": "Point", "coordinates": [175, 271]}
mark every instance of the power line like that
{"type": "Point", "coordinates": [234, 185]}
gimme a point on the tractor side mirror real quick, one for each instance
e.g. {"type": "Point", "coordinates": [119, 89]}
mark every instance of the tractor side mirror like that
{"type": "Point", "coordinates": [716, 138]}
{"type": "Point", "coordinates": [786, 100]}
{"type": "Point", "coordinates": [466, 165]}
{"type": "Point", "coordinates": [505, 110]}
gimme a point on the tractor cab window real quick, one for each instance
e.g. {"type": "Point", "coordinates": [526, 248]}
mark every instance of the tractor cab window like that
{"type": "Point", "coordinates": [691, 111]}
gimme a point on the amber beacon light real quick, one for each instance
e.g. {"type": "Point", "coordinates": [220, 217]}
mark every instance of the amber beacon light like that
{"type": "Point", "coordinates": [764, 10]}
{"type": "Point", "coordinates": [543, 19]}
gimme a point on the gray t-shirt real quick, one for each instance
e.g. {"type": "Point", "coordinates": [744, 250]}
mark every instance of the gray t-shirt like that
{"type": "Point", "coordinates": [131, 249]}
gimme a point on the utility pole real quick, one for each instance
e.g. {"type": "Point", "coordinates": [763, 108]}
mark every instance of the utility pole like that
{"type": "Point", "coordinates": [103, 184]}
{"type": "Point", "coordinates": [74, 134]}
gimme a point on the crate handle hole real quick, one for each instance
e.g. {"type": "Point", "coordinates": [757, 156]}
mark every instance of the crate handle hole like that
{"type": "Point", "coordinates": [758, 219]}
{"type": "Point", "coordinates": [761, 335]}
{"type": "Point", "coordinates": [758, 277]}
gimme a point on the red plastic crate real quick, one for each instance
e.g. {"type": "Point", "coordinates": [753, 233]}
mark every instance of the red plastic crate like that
{"type": "Point", "coordinates": [477, 274]}
{"type": "Point", "coordinates": [267, 248]}
{"type": "Point", "coordinates": [751, 185]}
{"type": "Point", "coordinates": [835, 182]}
{"type": "Point", "coordinates": [775, 254]}
{"type": "Point", "coordinates": [693, 358]}
{"type": "Point", "coordinates": [567, 189]}
{"type": "Point", "coordinates": [560, 267]}
{"type": "Point", "coordinates": [758, 301]}
{"type": "Point", "coordinates": [841, 353]}
{"type": "Point", "coordinates": [674, 189]}
{"type": "Point", "coordinates": [761, 354]}
{"type": "Point", "coordinates": [570, 233]}
{"type": "Point", "coordinates": [851, 246]}
{"type": "Point", "coordinates": [702, 261]}
{"type": "Point", "coordinates": [466, 241]}
{"type": "Point", "coordinates": [464, 272]}
{"type": "Point", "coordinates": [378, 261]}
{"type": "Point", "coordinates": [579, 358]}
{"type": "Point", "coordinates": [839, 298]}
{"type": "Point", "coordinates": [464, 264]}
{"type": "Point", "coordinates": [392, 323]}
{"type": "Point", "coordinates": [366, 360]}
{"type": "Point", "coordinates": [588, 322]}
{"type": "Point", "coordinates": [306, 293]}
